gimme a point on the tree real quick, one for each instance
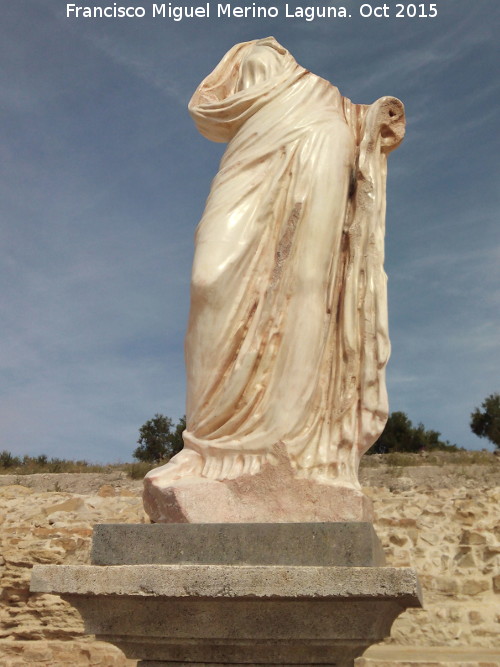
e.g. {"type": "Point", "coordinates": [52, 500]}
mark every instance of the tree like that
{"type": "Point", "coordinates": [486, 422]}
{"type": "Point", "coordinates": [8, 460]}
{"type": "Point", "coordinates": [177, 441]}
{"type": "Point", "coordinates": [399, 435]}
{"type": "Point", "coordinates": [159, 439]}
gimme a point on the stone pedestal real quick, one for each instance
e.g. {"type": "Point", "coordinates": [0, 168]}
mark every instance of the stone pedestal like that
{"type": "Point", "coordinates": [239, 594]}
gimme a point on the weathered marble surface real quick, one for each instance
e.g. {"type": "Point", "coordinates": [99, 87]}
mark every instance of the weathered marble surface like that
{"type": "Point", "coordinates": [287, 339]}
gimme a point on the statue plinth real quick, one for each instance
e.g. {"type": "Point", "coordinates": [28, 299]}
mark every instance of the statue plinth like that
{"type": "Point", "coordinates": [285, 594]}
{"type": "Point", "coordinates": [273, 495]}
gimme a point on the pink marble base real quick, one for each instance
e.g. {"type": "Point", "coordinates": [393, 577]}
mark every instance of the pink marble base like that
{"type": "Point", "coordinates": [274, 495]}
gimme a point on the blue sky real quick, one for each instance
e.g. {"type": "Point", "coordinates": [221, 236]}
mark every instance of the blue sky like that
{"type": "Point", "coordinates": [104, 178]}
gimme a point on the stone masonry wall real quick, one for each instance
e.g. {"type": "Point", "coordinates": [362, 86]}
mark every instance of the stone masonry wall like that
{"type": "Point", "coordinates": [444, 521]}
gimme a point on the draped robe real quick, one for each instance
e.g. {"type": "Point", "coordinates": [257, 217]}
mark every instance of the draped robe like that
{"type": "Point", "coordinates": [287, 338]}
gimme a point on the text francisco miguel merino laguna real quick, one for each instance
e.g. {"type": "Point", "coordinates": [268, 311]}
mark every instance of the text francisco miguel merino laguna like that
{"type": "Point", "coordinates": [220, 10]}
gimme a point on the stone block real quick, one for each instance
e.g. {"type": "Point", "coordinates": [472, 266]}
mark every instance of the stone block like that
{"type": "Point", "coordinates": [473, 538]}
{"type": "Point", "coordinates": [353, 544]}
{"type": "Point", "coordinates": [474, 586]}
{"type": "Point", "coordinates": [71, 505]}
{"type": "Point", "coordinates": [107, 491]}
{"type": "Point", "coordinates": [235, 614]}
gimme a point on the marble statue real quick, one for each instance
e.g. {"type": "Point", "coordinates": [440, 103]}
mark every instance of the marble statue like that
{"type": "Point", "coordinates": [287, 340]}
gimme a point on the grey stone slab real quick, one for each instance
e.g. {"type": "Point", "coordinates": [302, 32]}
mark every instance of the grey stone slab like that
{"type": "Point", "coordinates": [235, 614]}
{"type": "Point", "coordinates": [350, 544]}
{"type": "Point", "coordinates": [229, 581]}
{"type": "Point", "coordinates": [279, 625]}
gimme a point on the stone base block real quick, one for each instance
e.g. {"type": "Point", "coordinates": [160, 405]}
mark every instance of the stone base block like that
{"type": "Point", "coordinates": [352, 544]}
{"type": "Point", "coordinates": [267, 614]}
{"type": "Point", "coordinates": [235, 594]}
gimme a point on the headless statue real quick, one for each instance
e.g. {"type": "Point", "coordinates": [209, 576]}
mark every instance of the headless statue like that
{"type": "Point", "coordinates": [287, 340]}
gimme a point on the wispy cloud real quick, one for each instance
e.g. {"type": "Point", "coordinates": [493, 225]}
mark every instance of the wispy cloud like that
{"type": "Point", "coordinates": [158, 75]}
